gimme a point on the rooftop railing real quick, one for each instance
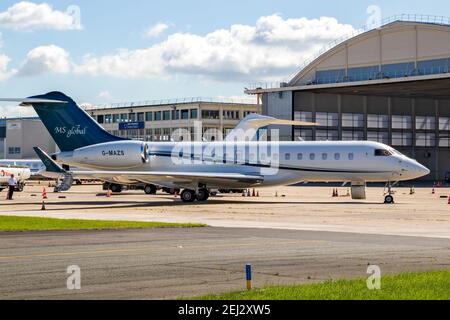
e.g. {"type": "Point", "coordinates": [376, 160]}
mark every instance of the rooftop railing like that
{"type": "Point", "coordinates": [165, 102]}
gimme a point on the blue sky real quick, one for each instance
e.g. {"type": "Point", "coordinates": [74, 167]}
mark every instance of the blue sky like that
{"type": "Point", "coordinates": [137, 48]}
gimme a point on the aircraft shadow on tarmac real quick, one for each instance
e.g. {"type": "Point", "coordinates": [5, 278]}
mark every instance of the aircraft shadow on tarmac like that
{"type": "Point", "coordinates": [54, 205]}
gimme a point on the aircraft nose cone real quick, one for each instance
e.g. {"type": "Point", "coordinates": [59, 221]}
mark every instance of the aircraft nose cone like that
{"type": "Point", "coordinates": [419, 169]}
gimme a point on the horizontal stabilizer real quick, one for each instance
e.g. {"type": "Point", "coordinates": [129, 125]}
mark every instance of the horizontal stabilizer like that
{"type": "Point", "coordinates": [50, 164]}
{"type": "Point", "coordinates": [27, 101]}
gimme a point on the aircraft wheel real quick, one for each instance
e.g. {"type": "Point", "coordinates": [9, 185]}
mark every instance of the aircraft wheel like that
{"type": "Point", "coordinates": [150, 189]}
{"type": "Point", "coordinates": [389, 199]}
{"type": "Point", "coordinates": [202, 195]}
{"type": "Point", "coordinates": [116, 188]}
{"type": "Point", "coordinates": [188, 196]}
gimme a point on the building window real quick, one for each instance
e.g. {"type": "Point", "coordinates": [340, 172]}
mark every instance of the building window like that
{"type": "Point", "coordinates": [378, 136]}
{"type": "Point", "coordinates": [124, 117]}
{"type": "Point", "coordinates": [116, 118]}
{"type": "Point", "coordinates": [230, 115]}
{"type": "Point", "coordinates": [303, 116]}
{"type": "Point", "coordinates": [425, 123]}
{"type": "Point", "coordinates": [101, 118]}
{"type": "Point", "coordinates": [425, 139]}
{"type": "Point", "coordinates": [185, 114]}
{"type": "Point", "coordinates": [158, 116]}
{"type": "Point", "coordinates": [210, 114]}
{"type": "Point", "coordinates": [352, 135]}
{"type": "Point", "coordinates": [166, 115]}
{"type": "Point", "coordinates": [326, 119]}
{"type": "Point", "coordinates": [352, 120]}
{"type": "Point", "coordinates": [14, 150]}
{"type": "Point", "coordinates": [132, 117]}
{"type": "Point", "coordinates": [327, 135]}
{"type": "Point", "coordinates": [444, 123]}
{"type": "Point", "coordinates": [377, 121]}
{"type": "Point", "coordinates": [140, 117]}
{"type": "Point", "coordinates": [108, 118]}
{"type": "Point", "coordinates": [194, 113]}
{"type": "Point", "coordinates": [401, 122]}
{"type": "Point", "coordinates": [175, 114]}
{"type": "Point", "coordinates": [444, 142]}
{"type": "Point", "coordinates": [402, 139]}
{"type": "Point", "coordinates": [303, 134]}
{"type": "Point", "coordinates": [149, 116]}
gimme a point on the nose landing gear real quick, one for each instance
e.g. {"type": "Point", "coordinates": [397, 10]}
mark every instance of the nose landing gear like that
{"type": "Point", "coordinates": [389, 198]}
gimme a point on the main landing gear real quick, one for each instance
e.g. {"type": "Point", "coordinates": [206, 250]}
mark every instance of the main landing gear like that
{"type": "Point", "coordinates": [189, 196]}
{"type": "Point", "coordinates": [389, 198]}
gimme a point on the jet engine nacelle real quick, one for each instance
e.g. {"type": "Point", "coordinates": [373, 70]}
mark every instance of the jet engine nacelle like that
{"type": "Point", "coordinates": [359, 191]}
{"type": "Point", "coordinates": [112, 155]}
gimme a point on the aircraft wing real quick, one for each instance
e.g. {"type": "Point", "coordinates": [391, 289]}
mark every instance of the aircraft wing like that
{"type": "Point", "coordinates": [177, 178]}
{"type": "Point", "coordinates": [156, 177]}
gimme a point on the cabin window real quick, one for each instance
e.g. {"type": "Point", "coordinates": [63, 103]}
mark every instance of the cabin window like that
{"type": "Point", "coordinates": [337, 156]}
{"type": "Point", "coordinates": [300, 156]}
{"type": "Point", "coordinates": [382, 153]}
{"type": "Point", "coordinates": [312, 156]}
{"type": "Point", "coordinates": [351, 156]}
{"type": "Point", "coordinates": [324, 156]}
{"type": "Point", "coordinates": [287, 156]}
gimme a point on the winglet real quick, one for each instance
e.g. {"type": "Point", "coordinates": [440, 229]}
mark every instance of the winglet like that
{"type": "Point", "coordinates": [50, 164]}
{"type": "Point", "coordinates": [253, 122]}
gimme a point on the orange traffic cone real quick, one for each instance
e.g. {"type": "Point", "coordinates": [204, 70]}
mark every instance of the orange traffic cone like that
{"type": "Point", "coordinates": [44, 194]}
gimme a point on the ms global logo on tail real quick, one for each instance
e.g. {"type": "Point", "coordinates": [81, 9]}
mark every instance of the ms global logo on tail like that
{"type": "Point", "coordinates": [74, 131]}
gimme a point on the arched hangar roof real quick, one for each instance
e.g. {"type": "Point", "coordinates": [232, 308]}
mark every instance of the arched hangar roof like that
{"type": "Point", "coordinates": [395, 50]}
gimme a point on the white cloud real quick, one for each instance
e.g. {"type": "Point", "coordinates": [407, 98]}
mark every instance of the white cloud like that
{"type": "Point", "coordinates": [4, 72]}
{"type": "Point", "coordinates": [46, 59]}
{"type": "Point", "coordinates": [105, 95]}
{"type": "Point", "coordinates": [156, 30]}
{"type": "Point", "coordinates": [30, 16]}
{"type": "Point", "coordinates": [274, 47]}
{"type": "Point", "coordinates": [15, 111]}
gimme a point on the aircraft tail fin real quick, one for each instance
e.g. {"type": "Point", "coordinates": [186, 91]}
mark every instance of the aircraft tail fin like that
{"type": "Point", "coordinates": [68, 124]}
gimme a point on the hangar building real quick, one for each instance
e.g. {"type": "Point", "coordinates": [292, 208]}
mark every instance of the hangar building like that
{"type": "Point", "coordinates": [390, 84]}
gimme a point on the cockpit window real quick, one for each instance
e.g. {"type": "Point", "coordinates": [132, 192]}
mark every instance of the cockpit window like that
{"type": "Point", "coordinates": [382, 153]}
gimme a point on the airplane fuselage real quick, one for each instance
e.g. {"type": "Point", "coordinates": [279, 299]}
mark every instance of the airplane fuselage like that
{"type": "Point", "coordinates": [279, 163]}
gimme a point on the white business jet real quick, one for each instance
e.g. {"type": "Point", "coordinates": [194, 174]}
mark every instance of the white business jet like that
{"type": "Point", "coordinates": [198, 167]}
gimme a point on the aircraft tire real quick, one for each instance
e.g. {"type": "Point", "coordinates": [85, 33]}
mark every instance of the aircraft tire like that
{"type": "Point", "coordinates": [188, 196]}
{"type": "Point", "coordinates": [150, 189]}
{"type": "Point", "coordinates": [203, 195]}
{"type": "Point", "coordinates": [389, 199]}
